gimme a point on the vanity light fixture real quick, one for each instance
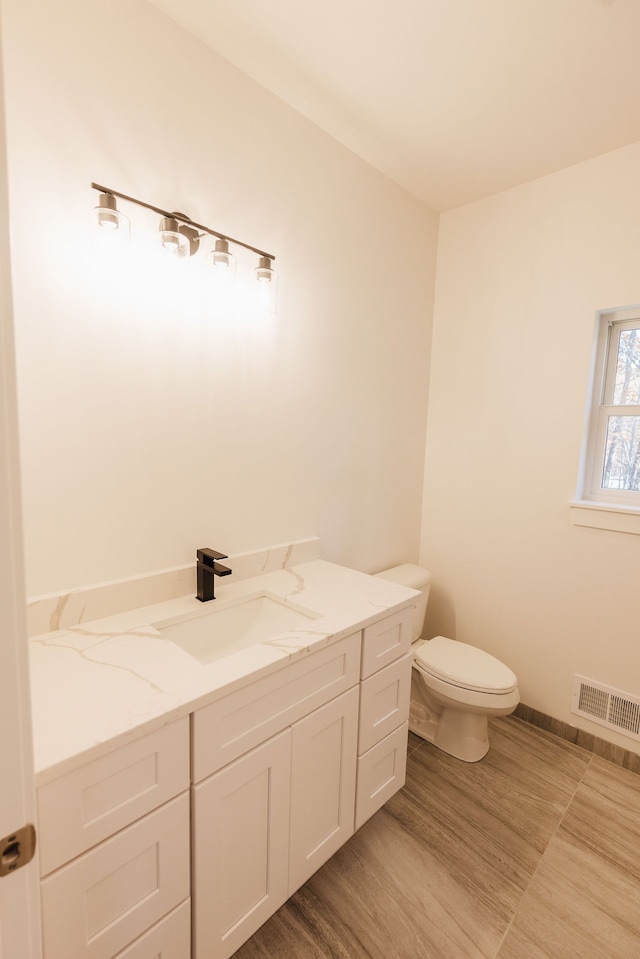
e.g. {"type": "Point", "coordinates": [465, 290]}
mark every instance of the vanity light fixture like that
{"type": "Point", "coordinates": [181, 236]}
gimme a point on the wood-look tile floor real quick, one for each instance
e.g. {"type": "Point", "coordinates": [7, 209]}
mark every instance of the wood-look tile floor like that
{"type": "Point", "coordinates": [532, 853]}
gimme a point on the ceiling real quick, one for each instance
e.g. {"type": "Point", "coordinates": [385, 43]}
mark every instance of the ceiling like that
{"type": "Point", "coordinates": [452, 99]}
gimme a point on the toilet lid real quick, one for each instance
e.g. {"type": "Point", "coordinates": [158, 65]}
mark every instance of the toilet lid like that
{"type": "Point", "coordinates": [464, 665]}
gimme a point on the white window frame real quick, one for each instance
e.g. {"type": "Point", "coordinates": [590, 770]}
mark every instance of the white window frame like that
{"type": "Point", "coordinates": [594, 505]}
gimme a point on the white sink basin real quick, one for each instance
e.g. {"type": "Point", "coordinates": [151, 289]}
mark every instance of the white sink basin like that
{"type": "Point", "coordinates": [218, 630]}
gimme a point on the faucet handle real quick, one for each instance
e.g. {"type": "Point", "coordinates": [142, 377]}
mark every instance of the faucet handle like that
{"type": "Point", "coordinates": [208, 556]}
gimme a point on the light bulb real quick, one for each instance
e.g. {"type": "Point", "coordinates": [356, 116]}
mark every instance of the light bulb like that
{"type": "Point", "coordinates": [172, 239]}
{"type": "Point", "coordinates": [222, 261]}
{"type": "Point", "coordinates": [264, 273]}
{"type": "Point", "coordinates": [107, 215]}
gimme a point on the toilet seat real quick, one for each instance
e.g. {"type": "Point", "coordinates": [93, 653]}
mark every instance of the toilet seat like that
{"type": "Point", "coordinates": [465, 666]}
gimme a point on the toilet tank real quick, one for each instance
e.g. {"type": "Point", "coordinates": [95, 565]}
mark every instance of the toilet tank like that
{"type": "Point", "coordinates": [415, 577]}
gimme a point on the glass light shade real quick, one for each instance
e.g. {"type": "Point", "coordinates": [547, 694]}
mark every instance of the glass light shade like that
{"type": "Point", "coordinates": [172, 240]}
{"type": "Point", "coordinates": [107, 216]}
{"type": "Point", "coordinates": [222, 261]}
{"type": "Point", "coordinates": [267, 283]}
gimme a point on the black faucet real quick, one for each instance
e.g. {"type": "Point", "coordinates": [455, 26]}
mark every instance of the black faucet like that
{"type": "Point", "coordinates": [207, 570]}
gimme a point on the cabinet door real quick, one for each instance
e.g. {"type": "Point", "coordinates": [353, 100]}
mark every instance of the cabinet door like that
{"type": "Point", "coordinates": [240, 847]}
{"type": "Point", "coordinates": [381, 773]}
{"type": "Point", "coordinates": [385, 640]}
{"type": "Point", "coordinates": [168, 939]}
{"type": "Point", "coordinates": [91, 803]}
{"type": "Point", "coordinates": [96, 905]}
{"type": "Point", "coordinates": [384, 702]}
{"type": "Point", "coordinates": [323, 780]}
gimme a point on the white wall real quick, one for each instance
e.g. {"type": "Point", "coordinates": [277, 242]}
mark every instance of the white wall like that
{"type": "Point", "coordinates": [520, 276]}
{"type": "Point", "coordinates": [148, 427]}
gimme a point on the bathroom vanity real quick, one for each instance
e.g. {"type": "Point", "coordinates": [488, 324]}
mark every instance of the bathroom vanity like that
{"type": "Point", "coordinates": [195, 797]}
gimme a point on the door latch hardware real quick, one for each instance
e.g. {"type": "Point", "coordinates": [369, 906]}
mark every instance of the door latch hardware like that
{"type": "Point", "coordinates": [17, 849]}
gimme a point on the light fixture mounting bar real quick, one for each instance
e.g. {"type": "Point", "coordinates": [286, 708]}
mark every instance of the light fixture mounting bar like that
{"type": "Point", "coordinates": [182, 218]}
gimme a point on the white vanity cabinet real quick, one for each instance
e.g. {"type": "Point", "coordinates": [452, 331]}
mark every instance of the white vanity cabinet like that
{"type": "Point", "coordinates": [114, 852]}
{"type": "Point", "coordinates": [282, 769]}
{"type": "Point", "coordinates": [263, 823]}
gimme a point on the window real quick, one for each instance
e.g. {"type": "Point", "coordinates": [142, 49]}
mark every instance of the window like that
{"type": "Point", "coordinates": [611, 467]}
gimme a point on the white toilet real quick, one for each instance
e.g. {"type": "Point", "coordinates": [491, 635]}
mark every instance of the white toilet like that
{"type": "Point", "coordinates": [454, 687]}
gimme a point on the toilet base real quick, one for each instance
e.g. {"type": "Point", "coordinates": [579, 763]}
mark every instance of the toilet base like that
{"type": "Point", "coordinates": [421, 723]}
{"type": "Point", "coordinates": [464, 736]}
{"type": "Point", "coordinates": [462, 732]}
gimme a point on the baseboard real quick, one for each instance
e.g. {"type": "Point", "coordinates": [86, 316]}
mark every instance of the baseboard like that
{"type": "Point", "coordinates": [593, 744]}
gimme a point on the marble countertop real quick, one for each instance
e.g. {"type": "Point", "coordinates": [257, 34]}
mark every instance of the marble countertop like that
{"type": "Point", "coordinates": [98, 684]}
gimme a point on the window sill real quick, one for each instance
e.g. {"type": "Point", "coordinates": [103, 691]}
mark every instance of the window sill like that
{"type": "Point", "coordinates": [620, 519]}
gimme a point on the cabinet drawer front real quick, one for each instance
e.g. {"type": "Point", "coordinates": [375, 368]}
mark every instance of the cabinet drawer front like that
{"type": "Point", "coordinates": [240, 848]}
{"type": "Point", "coordinates": [381, 773]}
{"type": "Point", "coordinates": [323, 785]}
{"type": "Point", "coordinates": [95, 906]}
{"type": "Point", "coordinates": [385, 641]}
{"type": "Point", "coordinates": [168, 939]}
{"type": "Point", "coordinates": [236, 723]}
{"type": "Point", "coordinates": [384, 702]}
{"type": "Point", "coordinates": [82, 808]}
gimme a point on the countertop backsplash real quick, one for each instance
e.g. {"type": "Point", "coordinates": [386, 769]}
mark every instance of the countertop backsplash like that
{"type": "Point", "coordinates": [46, 614]}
